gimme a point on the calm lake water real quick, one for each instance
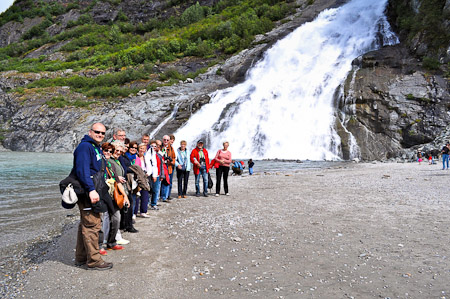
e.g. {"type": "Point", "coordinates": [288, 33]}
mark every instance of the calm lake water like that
{"type": "Point", "coordinates": [30, 201]}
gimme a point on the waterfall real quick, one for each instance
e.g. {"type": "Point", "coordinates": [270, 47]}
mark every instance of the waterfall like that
{"type": "Point", "coordinates": [285, 108]}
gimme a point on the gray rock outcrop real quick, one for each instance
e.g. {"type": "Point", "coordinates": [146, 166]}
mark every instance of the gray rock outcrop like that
{"type": "Point", "coordinates": [393, 106]}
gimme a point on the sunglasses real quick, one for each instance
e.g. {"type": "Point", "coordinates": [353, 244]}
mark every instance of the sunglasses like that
{"type": "Point", "coordinates": [166, 139]}
{"type": "Point", "coordinates": [108, 151]}
{"type": "Point", "coordinates": [117, 151]}
{"type": "Point", "coordinates": [133, 148]}
{"type": "Point", "coordinates": [99, 132]}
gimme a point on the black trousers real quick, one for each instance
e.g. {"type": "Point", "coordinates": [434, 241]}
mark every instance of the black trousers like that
{"type": "Point", "coordinates": [222, 171]}
{"type": "Point", "coordinates": [183, 178]}
{"type": "Point", "coordinates": [126, 220]}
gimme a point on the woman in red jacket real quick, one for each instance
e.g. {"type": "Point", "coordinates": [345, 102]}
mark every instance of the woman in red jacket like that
{"type": "Point", "coordinates": [200, 160]}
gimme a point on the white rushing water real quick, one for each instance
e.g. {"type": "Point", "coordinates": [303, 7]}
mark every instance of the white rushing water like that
{"type": "Point", "coordinates": [285, 108]}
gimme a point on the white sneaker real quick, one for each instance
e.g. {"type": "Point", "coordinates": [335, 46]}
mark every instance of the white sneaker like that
{"type": "Point", "coordinates": [123, 242]}
{"type": "Point", "coordinates": [228, 194]}
{"type": "Point", "coordinates": [144, 215]}
{"type": "Point", "coordinates": [217, 195]}
{"type": "Point", "coordinates": [134, 217]}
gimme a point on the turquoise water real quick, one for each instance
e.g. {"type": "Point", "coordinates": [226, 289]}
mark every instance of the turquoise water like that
{"type": "Point", "coordinates": [30, 201]}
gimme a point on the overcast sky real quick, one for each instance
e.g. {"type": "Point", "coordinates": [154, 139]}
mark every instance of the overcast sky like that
{"type": "Point", "coordinates": [5, 4]}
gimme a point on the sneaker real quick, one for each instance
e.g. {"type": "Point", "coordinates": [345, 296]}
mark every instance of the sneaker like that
{"type": "Point", "coordinates": [217, 194]}
{"type": "Point", "coordinates": [154, 208]}
{"type": "Point", "coordinates": [123, 242]}
{"type": "Point", "coordinates": [102, 266]}
{"type": "Point", "coordinates": [145, 215]}
{"type": "Point", "coordinates": [166, 201]}
{"type": "Point", "coordinates": [228, 194]}
{"type": "Point", "coordinates": [179, 196]}
{"type": "Point", "coordinates": [197, 194]}
{"type": "Point", "coordinates": [102, 251]}
{"type": "Point", "coordinates": [205, 194]}
{"type": "Point", "coordinates": [134, 217]}
{"type": "Point", "coordinates": [184, 196]}
{"type": "Point", "coordinates": [132, 230]}
{"type": "Point", "coordinates": [116, 247]}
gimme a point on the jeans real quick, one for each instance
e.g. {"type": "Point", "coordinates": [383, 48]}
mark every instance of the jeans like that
{"type": "Point", "coordinates": [204, 174]}
{"type": "Point", "coordinates": [144, 202]}
{"type": "Point", "coordinates": [156, 187]}
{"type": "Point", "coordinates": [222, 171]}
{"type": "Point", "coordinates": [183, 178]}
{"type": "Point", "coordinates": [171, 182]}
{"type": "Point", "coordinates": [444, 160]}
{"type": "Point", "coordinates": [164, 191]}
{"type": "Point", "coordinates": [110, 227]}
{"type": "Point", "coordinates": [133, 202]}
{"type": "Point", "coordinates": [250, 170]}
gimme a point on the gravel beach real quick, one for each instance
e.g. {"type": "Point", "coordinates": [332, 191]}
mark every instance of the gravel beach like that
{"type": "Point", "coordinates": [350, 231]}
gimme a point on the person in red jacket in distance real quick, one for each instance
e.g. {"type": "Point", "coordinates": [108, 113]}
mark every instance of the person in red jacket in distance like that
{"type": "Point", "coordinates": [200, 160]}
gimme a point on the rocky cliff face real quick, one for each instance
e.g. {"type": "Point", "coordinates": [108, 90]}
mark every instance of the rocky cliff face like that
{"type": "Point", "coordinates": [36, 127]}
{"type": "Point", "coordinates": [394, 101]}
{"type": "Point", "coordinates": [393, 106]}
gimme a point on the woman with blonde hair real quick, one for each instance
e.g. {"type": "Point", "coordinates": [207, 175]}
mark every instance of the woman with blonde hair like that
{"type": "Point", "coordinates": [223, 157]}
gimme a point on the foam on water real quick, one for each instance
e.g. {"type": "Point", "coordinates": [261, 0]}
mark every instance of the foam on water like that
{"type": "Point", "coordinates": [285, 108]}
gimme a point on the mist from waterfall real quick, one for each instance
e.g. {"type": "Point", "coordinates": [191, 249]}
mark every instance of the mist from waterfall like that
{"type": "Point", "coordinates": [285, 108]}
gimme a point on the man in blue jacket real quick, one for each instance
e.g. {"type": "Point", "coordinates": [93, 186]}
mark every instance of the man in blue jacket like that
{"type": "Point", "coordinates": [87, 160]}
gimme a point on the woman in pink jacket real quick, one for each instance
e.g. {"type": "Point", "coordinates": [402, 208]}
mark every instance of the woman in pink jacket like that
{"type": "Point", "coordinates": [223, 157]}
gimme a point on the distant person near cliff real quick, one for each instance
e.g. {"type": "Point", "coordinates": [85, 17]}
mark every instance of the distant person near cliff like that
{"type": "Point", "coordinates": [445, 152]}
{"type": "Point", "coordinates": [87, 161]}
{"type": "Point", "coordinates": [223, 157]}
{"type": "Point", "coordinates": [250, 166]}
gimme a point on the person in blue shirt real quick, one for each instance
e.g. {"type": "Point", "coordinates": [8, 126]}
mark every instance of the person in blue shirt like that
{"type": "Point", "coordinates": [236, 167]}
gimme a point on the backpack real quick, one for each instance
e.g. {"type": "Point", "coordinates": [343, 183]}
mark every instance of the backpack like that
{"type": "Point", "coordinates": [210, 181]}
{"type": "Point", "coordinates": [105, 203]}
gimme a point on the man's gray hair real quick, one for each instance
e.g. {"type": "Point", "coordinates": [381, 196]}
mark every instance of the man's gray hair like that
{"type": "Point", "coordinates": [117, 130]}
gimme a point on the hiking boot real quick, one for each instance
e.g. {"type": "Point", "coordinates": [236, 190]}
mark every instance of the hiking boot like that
{"type": "Point", "coordinates": [102, 266]}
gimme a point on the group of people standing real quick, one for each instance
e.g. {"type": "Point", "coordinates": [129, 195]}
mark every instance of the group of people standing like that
{"type": "Point", "coordinates": [144, 171]}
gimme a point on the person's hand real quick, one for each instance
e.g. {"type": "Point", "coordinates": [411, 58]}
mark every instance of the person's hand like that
{"type": "Point", "coordinates": [179, 167]}
{"type": "Point", "coordinates": [122, 179]}
{"type": "Point", "coordinates": [198, 164]}
{"type": "Point", "coordinates": [154, 180]}
{"type": "Point", "coordinates": [94, 197]}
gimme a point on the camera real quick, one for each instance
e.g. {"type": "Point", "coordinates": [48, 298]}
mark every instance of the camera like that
{"type": "Point", "coordinates": [168, 159]}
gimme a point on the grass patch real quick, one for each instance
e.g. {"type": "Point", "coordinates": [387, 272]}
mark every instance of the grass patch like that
{"type": "Point", "coordinates": [61, 102]}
